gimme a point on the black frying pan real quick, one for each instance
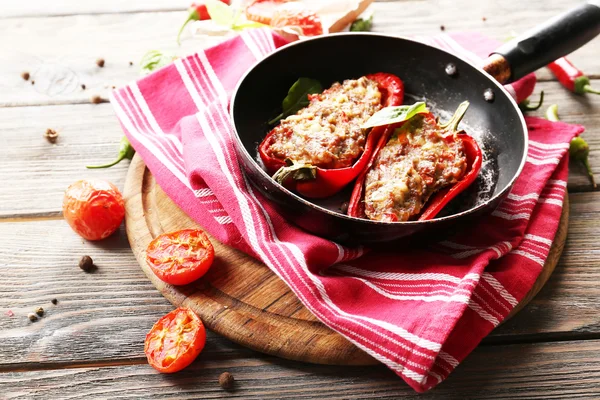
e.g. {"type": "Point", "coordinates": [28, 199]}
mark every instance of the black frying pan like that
{"type": "Point", "coordinates": [496, 122]}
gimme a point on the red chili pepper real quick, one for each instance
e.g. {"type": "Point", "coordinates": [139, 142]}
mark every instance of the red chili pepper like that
{"type": "Point", "coordinates": [571, 77]}
{"type": "Point", "coordinates": [197, 12]}
{"type": "Point", "coordinates": [441, 198]}
{"type": "Point", "coordinates": [315, 182]}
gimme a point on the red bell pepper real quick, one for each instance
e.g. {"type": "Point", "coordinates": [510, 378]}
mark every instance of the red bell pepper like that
{"type": "Point", "coordinates": [441, 198]}
{"type": "Point", "coordinates": [316, 182]}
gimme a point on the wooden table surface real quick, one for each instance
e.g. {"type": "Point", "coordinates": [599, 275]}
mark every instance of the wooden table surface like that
{"type": "Point", "coordinates": [90, 344]}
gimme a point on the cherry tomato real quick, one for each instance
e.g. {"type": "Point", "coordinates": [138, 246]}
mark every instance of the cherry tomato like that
{"type": "Point", "coordinates": [296, 15]}
{"type": "Point", "coordinates": [93, 208]}
{"type": "Point", "coordinates": [175, 340]}
{"type": "Point", "coordinates": [262, 10]}
{"type": "Point", "coordinates": [180, 257]}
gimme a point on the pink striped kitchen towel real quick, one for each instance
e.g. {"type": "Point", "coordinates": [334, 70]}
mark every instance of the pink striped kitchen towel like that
{"type": "Point", "coordinates": [420, 312]}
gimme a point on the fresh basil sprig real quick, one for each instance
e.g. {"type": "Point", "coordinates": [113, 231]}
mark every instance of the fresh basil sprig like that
{"type": "Point", "coordinates": [362, 25]}
{"type": "Point", "coordinates": [297, 97]}
{"type": "Point", "coordinates": [154, 60]}
{"type": "Point", "coordinates": [392, 115]}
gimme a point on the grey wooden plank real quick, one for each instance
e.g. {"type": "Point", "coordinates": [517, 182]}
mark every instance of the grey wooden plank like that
{"type": "Point", "coordinates": [67, 47]}
{"type": "Point", "coordinates": [534, 371]}
{"type": "Point", "coordinates": [104, 316]}
{"type": "Point", "coordinates": [35, 173]}
{"type": "Point", "coordinates": [41, 8]}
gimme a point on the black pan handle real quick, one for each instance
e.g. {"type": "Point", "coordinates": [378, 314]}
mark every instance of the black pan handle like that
{"type": "Point", "coordinates": [540, 46]}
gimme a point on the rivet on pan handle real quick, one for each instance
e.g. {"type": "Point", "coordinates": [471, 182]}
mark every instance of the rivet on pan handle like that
{"type": "Point", "coordinates": [539, 46]}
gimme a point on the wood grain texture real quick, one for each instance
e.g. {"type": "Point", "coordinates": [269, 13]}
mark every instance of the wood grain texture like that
{"type": "Point", "coordinates": [90, 134]}
{"type": "Point", "coordinates": [240, 298]}
{"type": "Point", "coordinates": [535, 371]}
{"type": "Point", "coordinates": [35, 173]}
{"type": "Point", "coordinates": [103, 317]}
{"type": "Point", "coordinates": [57, 51]}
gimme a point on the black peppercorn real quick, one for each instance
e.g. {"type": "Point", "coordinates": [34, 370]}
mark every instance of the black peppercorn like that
{"type": "Point", "coordinates": [226, 380]}
{"type": "Point", "coordinates": [87, 264]}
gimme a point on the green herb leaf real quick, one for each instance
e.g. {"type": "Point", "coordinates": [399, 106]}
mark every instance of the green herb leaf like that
{"type": "Point", "coordinates": [154, 60]}
{"type": "Point", "coordinates": [297, 97]}
{"type": "Point", "coordinates": [362, 25]}
{"type": "Point", "coordinates": [392, 115]}
{"type": "Point", "coordinates": [248, 25]}
{"type": "Point", "coordinates": [220, 13]}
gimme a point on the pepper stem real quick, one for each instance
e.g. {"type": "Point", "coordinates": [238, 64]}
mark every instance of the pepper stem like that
{"type": "Point", "coordinates": [452, 124]}
{"type": "Point", "coordinates": [192, 17]}
{"type": "Point", "coordinates": [526, 105]}
{"type": "Point", "coordinates": [118, 160]}
{"type": "Point", "coordinates": [295, 170]}
{"type": "Point", "coordinates": [589, 89]}
{"type": "Point", "coordinates": [586, 163]}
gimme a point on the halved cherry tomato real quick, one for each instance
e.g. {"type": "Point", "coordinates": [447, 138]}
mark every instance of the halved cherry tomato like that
{"type": "Point", "coordinates": [93, 208]}
{"type": "Point", "coordinates": [175, 340]}
{"type": "Point", "coordinates": [180, 257]}
{"type": "Point", "coordinates": [296, 15]}
{"type": "Point", "coordinates": [262, 10]}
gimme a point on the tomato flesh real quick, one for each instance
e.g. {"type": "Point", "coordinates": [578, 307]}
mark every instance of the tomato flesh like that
{"type": "Point", "coordinates": [262, 10]}
{"type": "Point", "coordinates": [180, 257]}
{"type": "Point", "coordinates": [296, 15]}
{"type": "Point", "coordinates": [93, 208]}
{"type": "Point", "coordinates": [175, 340]}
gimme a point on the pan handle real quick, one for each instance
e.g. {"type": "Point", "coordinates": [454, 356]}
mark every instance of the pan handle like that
{"type": "Point", "coordinates": [540, 46]}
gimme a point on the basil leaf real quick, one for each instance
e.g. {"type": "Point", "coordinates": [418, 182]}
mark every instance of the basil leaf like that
{"type": "Point", "coordinates": [392, 115]}
{"type": "Point", "coordinates": [362, 25]}
{"type": "Point", "coordinates": [220, 13]}
{"type": "Point", "coordinates": [297, 97]}
{"type": "Point", "coordinates": [154, 60]}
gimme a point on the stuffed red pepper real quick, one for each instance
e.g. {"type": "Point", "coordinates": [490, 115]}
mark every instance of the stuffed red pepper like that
{"type": "Point", "coordinates": [323, 147]}
{"type": "Point", "coordinates": [417, 167]}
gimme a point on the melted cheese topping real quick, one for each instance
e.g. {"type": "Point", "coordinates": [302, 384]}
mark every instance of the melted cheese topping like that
{"type": "Point", "coordinates": [327, 133]}
{"type": "Point", "coordinates": [415, 163]}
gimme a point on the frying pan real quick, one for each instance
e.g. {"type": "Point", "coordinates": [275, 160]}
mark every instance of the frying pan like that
{"type": "Point", "coordinates": [493, 118]}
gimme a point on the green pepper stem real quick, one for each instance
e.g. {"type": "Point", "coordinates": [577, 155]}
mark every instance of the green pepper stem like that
{"type": "Point", "coordinates": [586, 163]}
{"type": "Point", "coordinates": [526, 106]}
{"type": "Point", "coordinates": [298, 171]}
{"type": "Point", "coordinates": [552, 113]}
{"type": "Point", "coordinates": [589, 89]}
{"type": "Point", "coordinates": [192, 17]}
{"type": "Point", "coordinates": [457, 117]}
{"type": "Point", "coordinates": [121, 157]}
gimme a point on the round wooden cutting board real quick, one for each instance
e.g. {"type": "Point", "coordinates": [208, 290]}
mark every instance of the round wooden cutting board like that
{"type": "Point", "coordinates": [240, 298]}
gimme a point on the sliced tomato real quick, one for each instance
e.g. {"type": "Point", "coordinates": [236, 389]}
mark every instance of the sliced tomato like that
{"type": "Point", "coordinates": [262, 10]}
{"type": "Point", "coordinates": [93, 208]}
{"type": "Point", "coordinates": [296, 15]}
{"type": "Point", "coordinates": [180, 257]}
{"type": "Point", "coordinates": [175, 340]}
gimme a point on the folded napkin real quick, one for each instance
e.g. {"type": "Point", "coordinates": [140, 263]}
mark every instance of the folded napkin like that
{"type": "Point", "coordinates": [421, 311]}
